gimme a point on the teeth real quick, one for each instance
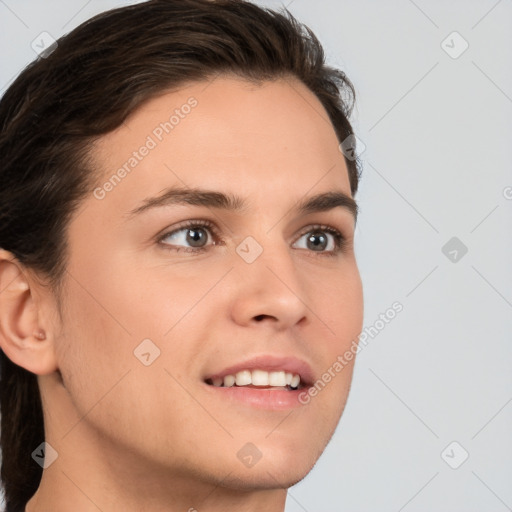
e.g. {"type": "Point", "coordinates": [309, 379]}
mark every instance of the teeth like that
{"type": "Point", "coordinates": [258, 378]}
{"type": "Point", "coordinates": [243, 378]}
{"type": "Point", "coordinates": [277, 379]}
{"type": "Point", "coordinates": [229, 380]}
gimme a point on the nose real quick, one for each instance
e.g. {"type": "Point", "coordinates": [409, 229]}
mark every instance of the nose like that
{"type": "Point", "coordinates": [269, 290]}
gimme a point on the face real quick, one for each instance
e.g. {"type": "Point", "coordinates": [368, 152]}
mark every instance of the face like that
{"type": "Point", "coordinates": [164, 299]}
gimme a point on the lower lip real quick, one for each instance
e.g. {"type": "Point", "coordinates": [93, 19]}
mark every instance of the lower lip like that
{"type": "Point", "coordinates": [273, 399]}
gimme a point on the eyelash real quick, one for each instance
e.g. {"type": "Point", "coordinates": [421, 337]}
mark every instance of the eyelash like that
{"type": "Point", "coordinates": [339, 239]}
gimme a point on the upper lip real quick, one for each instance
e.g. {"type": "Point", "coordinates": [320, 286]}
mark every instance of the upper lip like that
{"type": "Point", "coordinates": [270, 363]}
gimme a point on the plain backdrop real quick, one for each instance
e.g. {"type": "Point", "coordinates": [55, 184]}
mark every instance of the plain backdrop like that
{"type": "Point", "coordinates": [428, 421]}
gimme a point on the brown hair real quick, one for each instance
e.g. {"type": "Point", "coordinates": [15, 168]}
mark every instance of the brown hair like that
{"type": "Point", "coordinates": [96, 76]}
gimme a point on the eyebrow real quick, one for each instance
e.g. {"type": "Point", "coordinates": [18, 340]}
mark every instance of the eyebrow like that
{"type": "Point", "coordinates": [231, 202]}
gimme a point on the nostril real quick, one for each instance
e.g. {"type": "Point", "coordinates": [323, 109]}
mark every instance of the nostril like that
{"type": "Point", "coordinates": [258, 318]}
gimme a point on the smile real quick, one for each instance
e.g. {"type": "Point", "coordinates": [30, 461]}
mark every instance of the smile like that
{"type": "Point", "coordinates": [257, 378]}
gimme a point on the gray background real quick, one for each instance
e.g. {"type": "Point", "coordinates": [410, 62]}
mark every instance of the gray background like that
{"type": "Point", "coordinates": [437, 165]}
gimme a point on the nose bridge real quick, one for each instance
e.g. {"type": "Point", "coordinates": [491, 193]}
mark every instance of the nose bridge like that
{"type": "Point", "coordinates": [268, 282]}
{"type": "Point", "coordinates": [270, 259]}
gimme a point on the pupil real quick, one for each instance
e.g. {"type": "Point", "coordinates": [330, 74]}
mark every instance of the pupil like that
{"type": "Point", "coordinates": [317, 241]}
{"type": "Point", "coordinates": [196, 237]}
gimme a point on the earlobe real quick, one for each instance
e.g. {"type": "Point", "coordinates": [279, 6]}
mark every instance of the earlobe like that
{"type": "Point", "coordinates": [22, 337]}
{"type": "Point", "coordinates": [40, 334]}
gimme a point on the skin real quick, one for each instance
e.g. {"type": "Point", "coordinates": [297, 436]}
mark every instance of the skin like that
{"type": "Point", "coordinates": [151, 438]}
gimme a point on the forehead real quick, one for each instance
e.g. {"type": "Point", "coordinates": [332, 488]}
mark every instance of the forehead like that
{"type": "Point", "coordinates": [227, 133]}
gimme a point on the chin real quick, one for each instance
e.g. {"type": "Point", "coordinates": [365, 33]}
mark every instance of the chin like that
{"type": "Point", "coordinates": [266, 477]}
{"type": "Point", "coordinates": [278, 467]}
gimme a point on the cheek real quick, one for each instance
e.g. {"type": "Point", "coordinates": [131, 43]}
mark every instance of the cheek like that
{"type": "Point", "coordinates": [151, 299]}
{"type": "Point", "coordinates": [109, 328]}
{"type": "Point", "coordinates": [110, 388]}
{"type": "Point", "coordinates": [94, 350]}
{"type": "Point", "coordinates": [337, 311]}
{"type": "Point", "coordinates": [340, 305]}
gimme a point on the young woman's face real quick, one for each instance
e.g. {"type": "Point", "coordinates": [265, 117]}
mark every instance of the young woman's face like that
{"type": "Point", "coordinates": [151, 322]}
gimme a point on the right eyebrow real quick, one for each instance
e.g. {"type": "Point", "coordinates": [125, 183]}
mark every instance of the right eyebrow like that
{"type": "Point", "coordinates": [192, 196]}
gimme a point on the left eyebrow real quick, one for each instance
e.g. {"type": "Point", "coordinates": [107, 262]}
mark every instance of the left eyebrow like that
{"type": "Point", "coordinates": [219, 200]}
{"type": "Point", "coordinates": [328, 201]}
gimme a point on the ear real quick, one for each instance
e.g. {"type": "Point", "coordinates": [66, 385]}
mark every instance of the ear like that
{"type": "Point", "coordinates": [25, 331]}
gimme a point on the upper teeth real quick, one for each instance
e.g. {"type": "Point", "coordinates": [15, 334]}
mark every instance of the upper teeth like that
{"type": "Point", "coordinates": [258, 378]}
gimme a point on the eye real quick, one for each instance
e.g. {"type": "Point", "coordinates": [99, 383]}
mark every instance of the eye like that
{"type": "Point", "coordinates": [321, 239]}
{"type": "Point", "coordinates": [193, 236]}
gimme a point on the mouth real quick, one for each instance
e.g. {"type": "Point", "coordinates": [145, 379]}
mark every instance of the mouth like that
{"type": "Point", "coordinates": [264, 382]}
{"type": "Point", "coordinates": [259, 379]}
